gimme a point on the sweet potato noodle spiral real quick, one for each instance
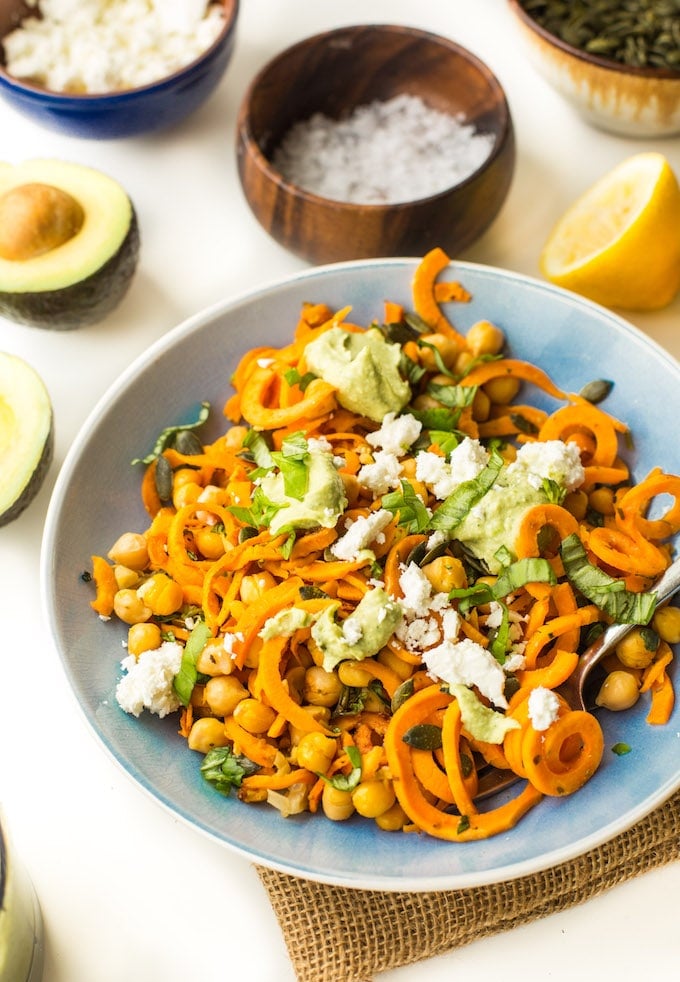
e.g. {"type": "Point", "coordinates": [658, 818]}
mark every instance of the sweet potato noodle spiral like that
{"type": "Point", "coordinates": [381, 735]}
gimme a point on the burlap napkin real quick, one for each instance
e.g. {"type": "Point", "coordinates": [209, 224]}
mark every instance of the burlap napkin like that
{"type": "Point", "coordinates": [377, 931]}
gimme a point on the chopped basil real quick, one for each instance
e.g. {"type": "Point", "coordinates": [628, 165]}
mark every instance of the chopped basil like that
{"type": "Point", "coordinates": [261, 512]}
{"type": "Point", "coordinates": [521, 572]}
{"type": "Point", "coordinates": [409, 506]}
{"type": "Point", "coordinates": [554, 492]}
{"type": "Point", "coordinates": [436, 354]}
{"type": "Point", "coordinates": [452, 396]}
{"type": "Point", "coordinates": [621, 749]}
{"type": "Point", "coordinates": [293, 377]}
{"type": "Point", "coordinates": [445, 440]}
{"type": "Point", "coordinates": [167, 435]}
{"type": "Point", "coordinates": [454, 509]}
{"type": "Point", "coordinates": [607, 593]}
{"type": "Point", "coordinates": [259, 449]}
{"type": "Point", "coordinates": [347, 782]}
{"type": "Point", "coordinates": [185, 680]}
{"type": "Point", "coordinates": [293, 462]}
{"type": "Point", "coordinates": [225, 769]}
{"type": "Point", "coordinates": [463, 825]}
{"type": "Point", "coordinates": [438, 419]}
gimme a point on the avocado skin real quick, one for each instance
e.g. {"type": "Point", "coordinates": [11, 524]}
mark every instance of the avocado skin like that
{"type": "Point", "coordinates": [35, 481]}
{"type": "Point", "coordinates": [86, 302]}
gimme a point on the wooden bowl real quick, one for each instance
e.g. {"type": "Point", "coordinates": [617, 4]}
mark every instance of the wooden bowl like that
{"type": "Point", "coordinates": [335, 72]}
{"type": "Point", "coordinates": [628, 100]}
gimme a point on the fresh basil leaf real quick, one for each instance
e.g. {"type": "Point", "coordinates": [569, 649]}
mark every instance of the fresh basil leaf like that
{"type": "Point", "coordinates": [225, 770]}
{"type": "Point", "coordinates": [347, 782]}
{"type": "Point", "coordinates": [437, 355]}
{"type": "Point", "coordinates": [554, 492]}
{"type": "Point", "coordinates": [167, 435]}
{"type": "Point", "coordinates": [185, 680]}
{"type": "Point", "coordinates": [261, 512]}
{"type": "Point", "coordinates": [446, 441]}
{"type": "Point", "coordinates": [438, 419]}
{"type": "Point", "coordinates": [410, 369]}
{"type": "Point", "coordinates": [521, 572]}
{"type": "Point", "coordinates": [293, 377]}
{"type": "Point", "coordinates": [498, 644]}
{"type": "Point", "coordinates": [452, 396]}
{"type": "Point", "coordinates": [259, 448]}
{"type": "Point", "coordinates": [607, 593]}
{"type": "Point", "coordinates": [409, 506]}
{"type": "Point", "coordinates": [454, 509]}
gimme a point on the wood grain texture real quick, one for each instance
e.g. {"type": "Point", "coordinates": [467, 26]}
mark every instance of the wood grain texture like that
{"type": "Point", "coordinates": [337, 71]}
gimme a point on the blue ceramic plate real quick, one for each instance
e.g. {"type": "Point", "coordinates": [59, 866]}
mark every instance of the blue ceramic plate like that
{"type": "Point", "coordinates": [575, 341]}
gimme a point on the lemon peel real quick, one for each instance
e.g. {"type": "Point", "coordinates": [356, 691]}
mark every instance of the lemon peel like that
{"type": "Point", "coordinates": [619, 243]}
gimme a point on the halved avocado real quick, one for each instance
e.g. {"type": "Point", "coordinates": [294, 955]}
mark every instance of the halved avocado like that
{"type": "Point", "coordinates": [69, 244]}
{"type": "Point", "coordinates": [26, 435]}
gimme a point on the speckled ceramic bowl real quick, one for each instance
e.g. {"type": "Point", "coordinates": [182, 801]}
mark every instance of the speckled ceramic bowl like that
{"type": "Point", "coordinates": [634, 102]}
{"type": "Point", "coordinates": [125, 113]}
{"type": "Point", "coordinates": [97, 495]}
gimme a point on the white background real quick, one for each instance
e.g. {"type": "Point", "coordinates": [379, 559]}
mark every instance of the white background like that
{"type": "Point", "coordinates": [127, 891]}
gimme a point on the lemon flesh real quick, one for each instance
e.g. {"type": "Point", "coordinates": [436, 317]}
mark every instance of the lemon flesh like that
{"type": "Point", "coordinates": [619, 244]}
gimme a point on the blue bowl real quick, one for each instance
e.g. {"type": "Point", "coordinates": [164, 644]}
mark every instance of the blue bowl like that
{"type": "Point", "coordinates": [97, 496]}
{"type": "Point", "coordinates": [126, 113]}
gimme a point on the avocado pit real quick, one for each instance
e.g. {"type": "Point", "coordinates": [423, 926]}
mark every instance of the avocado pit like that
{"type": "Point", "coordinates": [35, 218]}
{"type": "Point", "coordinates": [69, 244]}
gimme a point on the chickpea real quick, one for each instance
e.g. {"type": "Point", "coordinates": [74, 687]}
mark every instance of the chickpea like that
{"type": "Point", "coordinates": [633, 652]}
{"type": "Point", "coordinates": [353, 675]}
{"type": "Point", "coordinates": [235, 436]}
{"type": "Point", "coordinates": [143, 637]}
{"type": "Point", "coordinates": [373, 798]}
{"type": "Point", "coordinates": [161, 594]}
{"type": "Point", "coordinates": [463, 362]}
{"type": "Point", "coordinates": [207, 733]}
{"type": "Point", "coordinates": [255, 586]}
{"type": "Point", "coordinates": [253, 715]}
{"type": "Point", "coordinates": [576, 503]}
{"type": "Point", "coordinates": [445, 573]}
{"type": "Point", "coordinates": [209, 543]}
{"type": "Point", "coordinates": [223, 693]}
{"type": "Point", "coordinates": [337, 805]}
{"type": "Point", "coordinates": [126, 578]}
{"type": "Point", "coordinates": [315, 751]}
{"type": "Point", "coordinates": [618, 691]}
{"type": "Point", "coordinates": [321, 688]}
{"type": "Point", "coordinates": [320, 713]}
{"type": "Point", "coordinates": [393, 820]}
{"type": "Point", "coordinates": [502, 391]}
{"type": "Point", "coordinates": [130, 550]}
{"type": "Point", "coordinates": [666, 623]}
{"type": "Point", "coordinates": [602, 500]}
{"type": "Point", "coordinates": [352, 488]}
{"type": "Point", "coordinates": [481, 406]}
{"type": "Point", "coordinates": [484, 338]}
{"type": "Point", "coordinates": [447, 348]}
{"type": "Point", "coordinates": [252, 656]}
{"type": "Point", "coordinates": [400, 668]}
{"type": "Point", "coordinates": [295, 680]}
{"type": "Point", "coordinates": [214, 659]}
{"type": "Point", "coordinates": [130, 608]}
{"type": "Point", "coordinates": [584, 441]}
{"type": "Point", "coordinates": [186, 494]}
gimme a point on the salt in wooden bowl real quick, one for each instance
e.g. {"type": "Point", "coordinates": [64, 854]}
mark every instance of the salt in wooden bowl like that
{"type": "Point", "coordinates": [334, 73]}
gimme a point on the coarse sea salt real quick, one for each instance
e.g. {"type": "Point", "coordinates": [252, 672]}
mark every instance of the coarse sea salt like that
{"type": "Point", "coordinates": [383, 153]}
{"type": "Point", "coordinates": [90, 46]}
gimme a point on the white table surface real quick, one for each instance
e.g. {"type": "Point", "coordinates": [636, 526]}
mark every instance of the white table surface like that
{"type": "Point", "coordinates": [127, 890]}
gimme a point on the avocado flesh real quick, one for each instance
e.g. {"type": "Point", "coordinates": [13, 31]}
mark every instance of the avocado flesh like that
{"type": "Point", "coordinates": [83, 280]}
{"type": "Point", "coordinates": [26, 436]}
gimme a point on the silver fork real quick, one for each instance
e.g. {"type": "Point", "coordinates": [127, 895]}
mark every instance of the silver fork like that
{"type": "Point", "coordinates": [493, 780]}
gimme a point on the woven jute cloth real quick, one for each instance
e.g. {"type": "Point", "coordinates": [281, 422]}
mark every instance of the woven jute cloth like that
{"type": "Point", "coordinates": [377, 931]}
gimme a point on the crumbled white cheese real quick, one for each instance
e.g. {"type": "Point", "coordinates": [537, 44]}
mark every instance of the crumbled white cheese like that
{"type": "Point", "coordinates": [466, 462]}
{"type": "Point", "coordinates": [110, 45]}
{"type": "Point", "coordinates": [319, 444]}
{"type": "Point", "coordinates": [416, 589]}
{"type": "Point", "coordinates": [396, 434]}
{"type": "Point", "coordinates": [451, 622]}
{"type": "Point", "coordinates": [147, 683]}
{"type": "Point", "coordinates": [543, 707]}
{"type": "Point", "coordinates": [467, 663]}
{"type": "Point", "coordinates": [495, 616]}
{"type": "Point", "coordinates": [551, 460]}
{"type": "Point", "coordinates": [360, 534]}
{"type": "Point", "coordinates": [382, 475]}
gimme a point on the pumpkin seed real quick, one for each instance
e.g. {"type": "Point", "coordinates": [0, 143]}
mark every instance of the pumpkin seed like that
{"type": "Point", "coordinates": [597, 390]}
{"type": "Point", "coordinates": [187, 443]}
{"type": "Point", "coordinates": [163, 478]}
{"type": "Point", "coordinates": [423, 736]}
{"type": "Point", "coordinates": [401, 694]}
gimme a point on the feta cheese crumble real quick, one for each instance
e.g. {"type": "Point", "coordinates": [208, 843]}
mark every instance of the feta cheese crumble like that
{"type": "Point", "coordinates": [147, 683]}
{"type": "Point", "coordinates": [544, 707]}
{"type": "Point", "coordinates": [396, 434]}
{"type": "Point", "coordinates": [466, 462]}
{"type": "Point", "coordinates": [360, 534]}
{"type": "Point", "coordinates": [552, 460]}
{"type": "Point", "coordinates": [109, 45]}
{"type": "Point", "coordinates": [382, 475]}
{"type": "Point", "coordinates": [467, 663]}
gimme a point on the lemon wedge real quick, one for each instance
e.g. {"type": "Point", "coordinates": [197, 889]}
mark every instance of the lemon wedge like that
{"type": "Point", "coordinates": [619, 244]}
